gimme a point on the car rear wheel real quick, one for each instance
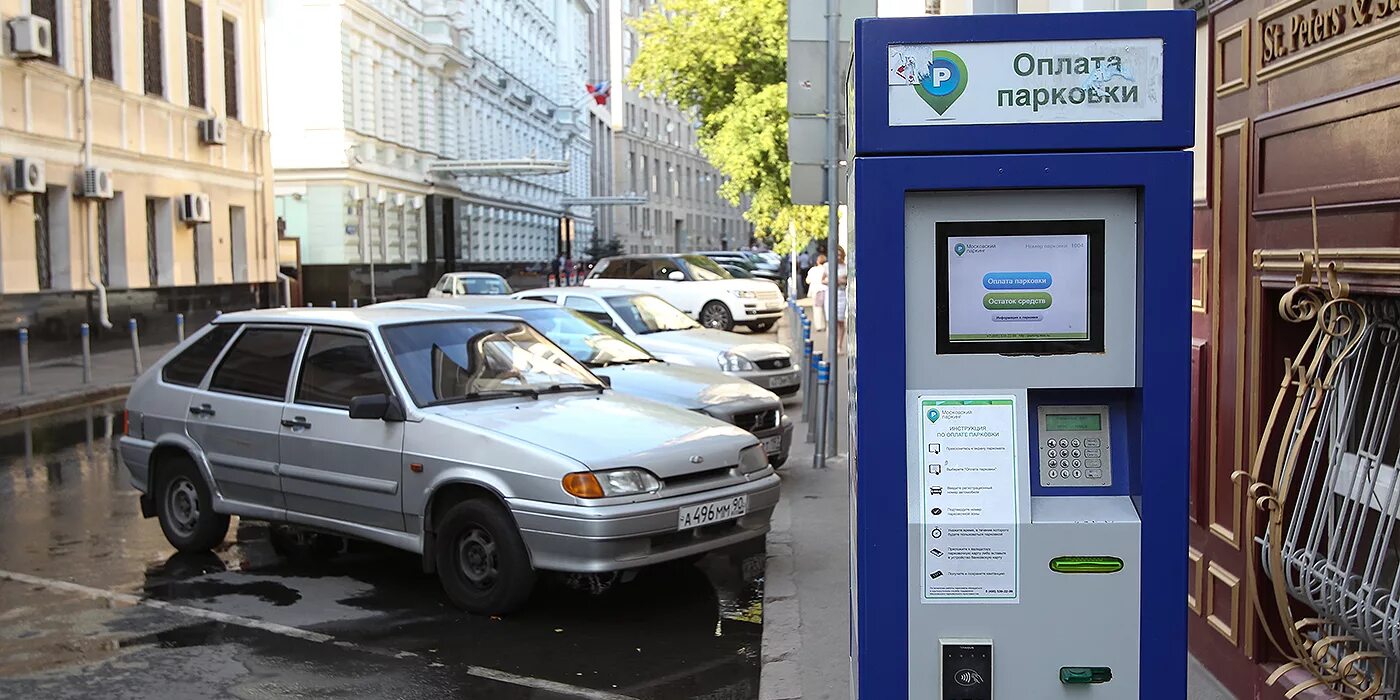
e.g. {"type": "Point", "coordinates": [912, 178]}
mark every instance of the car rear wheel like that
{"type": "Point", "coordinates": [761, 326]}
{"type": "Point", "coordinates": [185, 508]}
{"type": "Point", "coordinates": [481, 560]}
{"type": "Point", "coordinates": [716, 315]}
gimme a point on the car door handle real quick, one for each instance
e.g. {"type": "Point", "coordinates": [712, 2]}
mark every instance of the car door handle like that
{"type": "Point", "coordinates": [297, 423]}
{"type": "Point", "coordinates": [201, 410]}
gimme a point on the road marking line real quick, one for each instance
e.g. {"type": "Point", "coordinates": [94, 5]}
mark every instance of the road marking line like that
{"type": "Point", "coordinates": [297, 633]}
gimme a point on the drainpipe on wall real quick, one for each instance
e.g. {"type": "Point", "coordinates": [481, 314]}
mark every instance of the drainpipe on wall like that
{"type": "Point", "coordinates": [90, 211]}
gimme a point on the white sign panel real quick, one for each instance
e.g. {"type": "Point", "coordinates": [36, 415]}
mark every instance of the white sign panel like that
{"type": "Point", "coordinates": [1025, 82]}
{"type": "Point", "coordinates": [968, 495]}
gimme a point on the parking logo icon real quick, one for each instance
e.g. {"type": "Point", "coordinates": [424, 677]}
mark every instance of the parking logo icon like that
{"type": "Point", "coordinates": [943, 82]}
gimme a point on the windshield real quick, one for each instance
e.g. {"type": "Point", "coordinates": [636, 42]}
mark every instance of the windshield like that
{"type": "Point", "coordinates": [644, 313]}
{"type": "Point", "coordinates": [452, 361]}
{"type": "Point", "coordinates": [703, 268]}
{"type": "Point", "coordinates": [486, 285]}
{"type": "Point", "coordinates": [583, 338]}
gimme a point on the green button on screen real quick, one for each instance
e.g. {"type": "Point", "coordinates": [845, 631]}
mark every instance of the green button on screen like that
{"type": "Point", "coordinates": [1086, 565]}
{"type": "Point", "coordinates": [1016, 301]}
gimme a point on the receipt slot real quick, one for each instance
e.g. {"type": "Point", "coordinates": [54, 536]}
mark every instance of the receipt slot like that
{"type": "Point", "coordinates": [1021, 279]}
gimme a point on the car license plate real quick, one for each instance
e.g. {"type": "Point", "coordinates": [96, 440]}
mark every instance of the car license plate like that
{"type": "Point", "coordinates": [773, 445]}
{"type": "Point", "coordinates": [712, 512]}
{"type": "Point", "coordinates": [783, 380]}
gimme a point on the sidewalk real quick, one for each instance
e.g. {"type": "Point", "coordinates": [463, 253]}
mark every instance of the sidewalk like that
{"type": "Point", "coordinates": [806, 618]}
{"type": "Point", "coordinates": [57, 382]}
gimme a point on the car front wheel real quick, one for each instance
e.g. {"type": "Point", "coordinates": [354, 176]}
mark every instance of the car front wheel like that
{"type": "Point", "coordinates": [185, 508]}
{"type": "Point", "coordinates": [481, 560]}
{"type": "Point", "coordinates": [716, 315]}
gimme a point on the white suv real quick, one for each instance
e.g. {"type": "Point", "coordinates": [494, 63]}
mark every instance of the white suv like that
{"type": "Point", "coordinates": [696, 285]}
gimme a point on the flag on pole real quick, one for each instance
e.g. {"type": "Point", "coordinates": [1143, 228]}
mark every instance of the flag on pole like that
{"type": "Point", "coordinates": [600, 91]}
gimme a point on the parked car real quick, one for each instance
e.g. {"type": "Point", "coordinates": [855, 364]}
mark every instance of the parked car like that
{"type": "Point", "coordinates": [634, 371]}
{"type": "Point", "coordinates": [696, 285]}
{"type": "Point", "coordinates": [755, 263]}
{"type": "Point", "coordinates": [468, 439]}
{"type": "Point", "coordinates": [666, 332]}
{"type": "Point", "coordinates": [737, 271]}
{"type": "Point", "coordinates": [460, 284]}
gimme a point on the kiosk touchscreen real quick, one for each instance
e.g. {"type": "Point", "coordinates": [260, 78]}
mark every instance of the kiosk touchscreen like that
{"type": "Point", "coordinates": [1021, 322]}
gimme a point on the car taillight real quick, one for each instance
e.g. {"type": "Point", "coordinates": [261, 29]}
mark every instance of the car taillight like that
{"type": "Point", "coordinates": [126, 422]}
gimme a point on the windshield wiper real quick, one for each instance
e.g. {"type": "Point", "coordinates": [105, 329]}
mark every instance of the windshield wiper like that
{"type": "Point", "coordinates": [498, 393]}
{"type": "Point", "coordinates": [575, 386]}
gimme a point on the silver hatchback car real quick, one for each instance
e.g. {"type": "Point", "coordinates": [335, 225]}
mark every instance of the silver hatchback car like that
{"type": "Point", "coordinates": [469, 439]}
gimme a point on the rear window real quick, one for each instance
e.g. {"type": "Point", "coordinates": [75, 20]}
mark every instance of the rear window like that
{"type": "Point", "coordinates": [188, 368]}
{"type": "Point", "coordinates": [486, 285]}
{"type": "Point", "coordinates": [259, 363]}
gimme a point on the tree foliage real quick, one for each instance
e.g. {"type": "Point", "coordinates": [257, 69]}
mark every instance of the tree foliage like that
{"type": "Point", "coordinates": [600, 248]}
{"type": "Point", "coordinates": [725, 60]}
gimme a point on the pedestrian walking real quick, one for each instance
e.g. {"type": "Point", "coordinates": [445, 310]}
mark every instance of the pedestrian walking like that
{"type": "Point", "coordinates": [816, 291]}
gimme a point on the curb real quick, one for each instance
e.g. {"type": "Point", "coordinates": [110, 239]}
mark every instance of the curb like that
{"type": "Point", "coordinates": [63, 400]}
{"type": "Point", "coordinates": [782, 642]}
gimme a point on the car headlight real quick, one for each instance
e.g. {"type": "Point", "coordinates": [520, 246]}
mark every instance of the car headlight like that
{"type": "Point", "coordinates": [729, 362]}
{"type": "Point", "coordinates": [753, 459]}
{"type": "Point", "coordinates": [616, 482]}
{"type": "Point", "coordinates": [744, 293]}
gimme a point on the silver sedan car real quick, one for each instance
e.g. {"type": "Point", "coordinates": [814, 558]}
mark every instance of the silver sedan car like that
{"type": "Point", "coordinates": [467, 438]}
{"type": "Point", "coordinates": [667, 332]}
{"type": "Point", "coordinates": [634, 371]}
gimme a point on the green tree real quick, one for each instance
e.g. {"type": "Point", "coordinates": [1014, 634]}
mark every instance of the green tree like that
{"type": "Point", "coordinates": [725, 60]}
{"type": "Point", "coordinates": [600, 248]}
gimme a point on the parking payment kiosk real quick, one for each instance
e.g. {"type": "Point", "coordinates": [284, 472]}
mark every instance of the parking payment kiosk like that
{"type": "Point", "coordinates": [1021, 273]}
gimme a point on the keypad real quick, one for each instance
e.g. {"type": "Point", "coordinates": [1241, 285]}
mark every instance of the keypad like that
{"type": "Point", "coordinates": [1075, 458]}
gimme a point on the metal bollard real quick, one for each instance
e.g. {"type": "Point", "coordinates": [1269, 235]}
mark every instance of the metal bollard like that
{"type": "Point", "coordinates": [24, 360]}
{"type": "Point", "coordinates": [135, 346]}
{"type": "Point", "coordinates": [823, 384]}
{"type": "Point", "coordinates": [309, 304]}
{"type": "Point", "coordinates": [87, 353]}
{"type": "Point", "coordinates": [180, 327]}
{"type": "Point", "coordinates": [354, 303]}
{"type": "Point", "coordinates": [333, 304]}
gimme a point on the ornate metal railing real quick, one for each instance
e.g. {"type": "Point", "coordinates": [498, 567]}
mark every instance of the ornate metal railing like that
{"type": "Point", "coordinates": [1325, 478]}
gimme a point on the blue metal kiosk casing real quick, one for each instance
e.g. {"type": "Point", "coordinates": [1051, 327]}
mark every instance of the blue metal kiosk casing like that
{"type": "Point", "coordinates": [1020, 274]}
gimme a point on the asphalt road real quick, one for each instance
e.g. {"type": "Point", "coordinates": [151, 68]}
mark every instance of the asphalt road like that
{"type": "Point", "coordinates": [95, 604]}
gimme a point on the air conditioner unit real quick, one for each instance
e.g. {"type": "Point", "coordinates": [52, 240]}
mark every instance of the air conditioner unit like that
{"type": "Point", "coordinates": [96, 184]}
{"type": "Point", "coordinates": [26, 176]}
{"type": "Point", "coordinates": [31, 36]}
{"type": "Point", "coordinates": [194, 208]}
{"type": "Point", "coordinates": [356, 194]}
{"type": "Point", "coordinates": [213, 131]}
{"type": "Point", "coordinates": [381, 196]}
{"type": "Point", "coordinates": [399, 199]}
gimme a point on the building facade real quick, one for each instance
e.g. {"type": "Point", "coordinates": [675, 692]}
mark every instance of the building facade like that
{"type": "Point", "coordinates": [160, 71]}
{"type": "Point", "coordinates": [404, 125]}
{"type": "Point", "coordinates": [656, 153]}
{"type": "Point", "coordinates": [1297, 212]}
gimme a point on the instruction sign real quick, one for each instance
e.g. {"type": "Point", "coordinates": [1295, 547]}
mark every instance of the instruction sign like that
{"type": "Point", "coordinates": [968, 496]}
{"type": "Point", "coordinates": [1025, 82]}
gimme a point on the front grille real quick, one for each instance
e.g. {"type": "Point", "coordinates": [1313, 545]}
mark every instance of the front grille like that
{"type": "Point", "coordinates": [683, 480]}
{"type": "Point", "coordinates": [755, 421]}
{"type": "Point", "coordinates": [775, 363]}
{"type": "Point", "coordinates": [770, 295]}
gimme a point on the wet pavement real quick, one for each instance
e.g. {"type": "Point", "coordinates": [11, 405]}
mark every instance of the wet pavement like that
{"type": "Point", "coordinates": [95, 603]}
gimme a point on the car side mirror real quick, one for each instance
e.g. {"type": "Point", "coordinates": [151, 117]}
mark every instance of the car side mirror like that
{"type": "Point", "coordinates": [676, 276]}
{"type": "Point", "coordinates": [376, 407]}
{"type": "Point", "coordinates": [606, 380]}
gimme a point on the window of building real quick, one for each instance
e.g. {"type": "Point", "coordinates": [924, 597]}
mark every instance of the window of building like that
{"type": "Point", "coordinates": [338, 367]}
{"type": "Point", "coordinates": [194, 52]}
{"type": "Point", "coordinates": [152, 244]}
{"type": "Point", "coordinates": [655, 175]}
{"type": "Point", "coordinates": [104, 258]}
{"type": "Point", "coordinates": [152, 65]}
{"type": "Point", "coordinates": [48, 9]}
{"type": "Point", "coordinates": [188, 368]}
{"type": "Point", "coordinates": [258, 364]}
{"type": "Point", "coordinates": [238, 244]}
{"type": "Point", "coordinates": [103, 58]}
{"type": "Point", "coordinates": [43, 257]}
{"type": "Point", "coordinates": [230, 69]}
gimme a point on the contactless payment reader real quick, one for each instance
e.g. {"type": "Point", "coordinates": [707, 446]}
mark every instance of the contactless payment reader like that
{"type": "Point", "coordinates": [1021, 279]}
